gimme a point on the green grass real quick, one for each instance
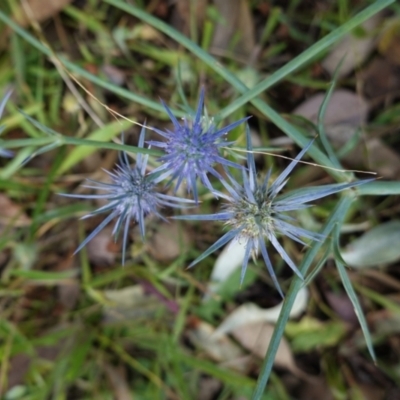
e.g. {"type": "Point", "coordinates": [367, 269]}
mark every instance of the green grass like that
{"type": "Point", "coordinates": [58, 310]}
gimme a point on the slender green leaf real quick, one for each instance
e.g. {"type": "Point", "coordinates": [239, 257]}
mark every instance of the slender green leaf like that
{"type": "Point", "coordinates": [317, 268]}
{"type": "Point", "coordinates": [357, 307]}
{"type": "Point", "coordinates": [350, 290]}
{"type": "Point", "coordinates": [321, 116]}
{"type": "Point", "coordinates": [44, 275]}
{"type": "Point", "coordinates": [105, 134]}
{"type": "Point", "coordinates": [380, 188]}
{"type": "Point", "coordinates": [337, 214]}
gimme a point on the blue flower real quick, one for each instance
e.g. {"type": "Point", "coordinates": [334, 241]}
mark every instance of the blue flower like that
{"type": "Point", "coordinates": [255, 214]}
{"type": "Point", "coordinates": [4, 152]}
{"type": "Point", "coordinates": [192, 149]}
{"type": "Point", "coordinates": [131, 196]}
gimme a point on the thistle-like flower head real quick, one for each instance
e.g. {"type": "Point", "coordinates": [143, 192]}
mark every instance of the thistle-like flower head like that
{"type": "Point", "coordinates": [4, 152]}
{"type": "Point", "coordinates": [192, 149]}
{"type": "Point", "coordinates": [131, 196]}
{"type": "Point", "coordinates": [255, 213]}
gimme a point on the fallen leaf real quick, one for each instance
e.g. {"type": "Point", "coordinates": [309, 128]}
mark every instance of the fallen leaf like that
{"type": "Point", "coordinates": [101, 249]}
{"type": "Point", "coordinates": [377, 156]}
{"type": "Point", "coordinates": [12, 213]}
{"type": "Point", "coordinates": [256, 337]}
{"type": "Point", "coordinates": [208, 388]}
{"type": "Point", "coordinates": [354, 47]}
{"type": "Point", "coordinates": [345, 114]}
{"type": "Point", "coordinates": [317, 390]}
{"type": "Point", "coordinates": [234, 34]}
{"type": "Point", "coordinates": [367, 392]}
{"type": "Point", "coordinates": [26, 254]}
{"type": "Point", "coordinates": [185, 11]}
{"type": "Point", "coordinates": [380, 81]}
{"type": "Point", "coordinates": [379, 246]}
{"type": "Point", "coordinates": [38, 10]}
{"type": "Point", "coordinates": [168, 242]}
{"type": "Point", "coordinates": [344, 107]}
{"type": "Point", "coordinates": [249, 313]}
{"type": "Point", "coordinates": [114, 74]}
{"type": "Point", "coordinates": [20, 363]}
{"type": "Point", "coordinates": [341, 304]}
{"type": "Point", "coordinates": [118, 380]}
{"type": "Point", "coordinates": [230, 259]}
{"type": "Point", "coordinates": [132, 303]}
{"type": "Point", "coordinates": [127, 297]}
{"type": "Point", "coordinates": [68, 293]}
{"type": "Point", "coordinates": [220, 348]}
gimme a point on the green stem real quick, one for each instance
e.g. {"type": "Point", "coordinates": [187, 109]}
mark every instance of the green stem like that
{"type": "Point", "coordinates": [341, 208]}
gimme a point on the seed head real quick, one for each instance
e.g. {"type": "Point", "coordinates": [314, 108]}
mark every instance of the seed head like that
{"type": "Point", "coordinates": [192, 150]}
{"type": "Point", "coordinates": [131, 195]}
{"type": "Point", "coordinates": [255, 213]}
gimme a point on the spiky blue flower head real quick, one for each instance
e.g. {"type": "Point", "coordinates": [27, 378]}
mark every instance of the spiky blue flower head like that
{"type": "Point", "coordinates": [255, 213]}
{"type": "Point", "coordinates": [192, 150]}
{"type": "Point", "coordinates": [131, 195]}
{"type": "Point", "coordinates": [4, 152]}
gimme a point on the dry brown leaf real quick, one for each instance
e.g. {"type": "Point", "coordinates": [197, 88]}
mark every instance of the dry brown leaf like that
{"type": "Point", "coordinates": [249, 313]}
{"type": "Point", "coordinates": [317, 390]}
{"type": "Point", "coordinates": [118, 380]}
{"type": "Point", "coordinates": [220, 348]}
{"type": "Point", "coordinates": [341, 304]}
{"type": "Point", "coordinates": [38, 10]}
{"type": "Point", "coordinates": [114, 74]}
{"type": "Point", "coordinates": [347, 112]}
{"type": "Point", "coordinates": [102, 249]}
{"type": "Point", "coordinates": [255, 337]}
{"type": "Point", "coordinates": [134, 303]}
{"type": "Point", "coordinates": [345, 107]}
{"type": "Point", "coordinates": [20, 363]}
{"type": "Point", "coordinates": [181, 14]}
{"type": "Point", "coordinates": [370, 392]}
{"type": "Point", "coordinates": [68, 293]}
{"type": "Point", "coordinates": [234, 35]}
{"type": "Point", "coordinates": [11, 213]}
{"type": "Point", "coordinates": [382, 158]}
{"type": "Point", "coordinates": [168, 242]}
{"type": "Point", "coordinates": [355, 49]}
{"type": "Point", "coordinates": [208, 388]}
{"type": "Point", "coordinates": [68, 290]}
{"type": "Point", "coordinates": [380, 81]}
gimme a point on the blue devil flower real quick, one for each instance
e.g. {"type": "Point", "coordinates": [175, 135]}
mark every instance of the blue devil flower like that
{"type": "Point", "coordinates": [192, 149]}
{"type": "Point", "coordinates": [4, 152]}
{"type": "Point", "coordinates": [131, 196]}
{"type": "Point", "coordinates": [255, 214]}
